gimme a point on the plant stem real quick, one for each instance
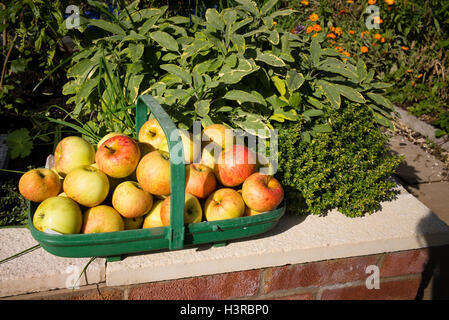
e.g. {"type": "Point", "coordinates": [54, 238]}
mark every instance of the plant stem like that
{"type": "Point", "coordinates": [6, 61]}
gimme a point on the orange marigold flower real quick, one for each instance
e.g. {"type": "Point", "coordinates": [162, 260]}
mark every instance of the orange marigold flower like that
{"type": "Point", "coordinates": [342, 11]}
{"type": "Point", "coordinates": [389, 2]}
{"type": "Point", "coordinates": [338, 31]}
{"type": "Point", "coordinates": [377, 19]}
{"type": "Point", "coordinates": [313, 17]}
{"type": "Point", "coordinates": [409, 71]}
{"type": "Point", "coordinates": [351, 32]}
{"type": "Point", "coordinates": [404, 48]}
{"type": "Point", "coordinates": [331, 35]}
{"type": "Point", "coordinates": [419, 76]}
{"type": "Point", "coordinates": [314, 35]}
{"type": "Point", "coordinates": [364, 49]}
{"type": "Point", "coordinates": [377, 36]}
{"type": "Point", "coordinates": [305, 2]}
{"type": "Point", "coordinates": [382, 40]}
{"type": "Point", "coordinates": [372, 1]}
{"type": "Point", "coordinates": [317, 28]}
{"type": "Point", "coordinates": [350, 1]}
{"type": "Point", "coordinates": [332, 28]}
{"type": "Point", "coordinates": [309, 29]}
{"type": "Point", "coordinates": [413, 83]}
{"type": "Point", "coordinates": [346, 53]}
{"type": "Point", "coordinates": [274, 23]}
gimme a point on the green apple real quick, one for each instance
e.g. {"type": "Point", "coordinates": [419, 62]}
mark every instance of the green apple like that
{"type": "Point", "coordinates": [59, 214]}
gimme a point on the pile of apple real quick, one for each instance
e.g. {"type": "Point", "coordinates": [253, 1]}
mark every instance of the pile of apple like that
{"type": "Point", "coordinates": [124, 183]}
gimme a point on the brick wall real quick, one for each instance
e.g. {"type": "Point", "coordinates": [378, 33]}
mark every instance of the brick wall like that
{"type": "Point", "coordinates": [402, 275]}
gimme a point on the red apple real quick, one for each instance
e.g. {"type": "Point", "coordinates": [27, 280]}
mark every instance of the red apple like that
{"type": "Point", "coordinates": [225, 203]}
{"type": "Point", "coordinates": [192, 210]}
{"type": "Point", "coordinates": [262, 192]}
{"type": "Point", "coordinates": [109, 135]}
{"type": "Point", "coordinates": [200, 180]}
{"type": "Point", "coordinates": [153, 173]}
{"type": "Point", "coordinates": [234, 165]}
{"type": "Point", "coordinates": [130, 200]}
{"type": "Point", "coordinates": [39, 184]}
{"type": "Point", "coordinates": [118, 156]}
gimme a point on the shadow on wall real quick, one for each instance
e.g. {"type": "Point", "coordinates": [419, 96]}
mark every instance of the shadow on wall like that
{"type": "Point", "coordinates": [435, 276]}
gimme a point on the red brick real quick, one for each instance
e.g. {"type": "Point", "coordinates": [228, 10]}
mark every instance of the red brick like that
{"type": "Point", "coordinates": [404, 262]}
{"type": "Point", "coordinates": [221, 286]}
{"type": "Point", "coordinates": [298, 296]}
{"type": "Point", "coordinates": [405, 289]}
{"type": "Point", "coordinates": [317, 273]}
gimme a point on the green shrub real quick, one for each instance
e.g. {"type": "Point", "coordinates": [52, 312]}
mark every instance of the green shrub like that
{"type": "Point", "coordinates": [13, 207]}
{"type": "Point", "coordinates": [348, 169]}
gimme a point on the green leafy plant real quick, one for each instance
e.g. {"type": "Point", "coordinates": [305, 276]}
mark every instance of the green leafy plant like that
{"type": "Point", "coordinates": [349, 168]}
{"type": "Point", "coordinates": [234, 67]}
{"type": "Point", "coordinates": [237, 67]}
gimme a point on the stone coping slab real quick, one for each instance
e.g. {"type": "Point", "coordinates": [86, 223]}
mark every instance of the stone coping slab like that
{"type": "Point", "coordinates": [402, 224]}
{"type": "Point", "coordinates": [39, 270]}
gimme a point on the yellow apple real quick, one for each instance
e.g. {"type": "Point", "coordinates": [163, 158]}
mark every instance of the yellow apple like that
{"type": "Point", "coordinates": [102, 218]}
{"type": "Point", "coordinates": [219, 135]}
{"type": "Point", "coordinates": [192, 210]}
{"type": "Point", "coordinates": [72, 152]}
{"type": "Point", "coordinates": [153, 218]}
{"type": "Point", "coordinates": [86, 185]}
{"type": "Point", "coordinates": [225, 203]}
{"type": "Point", "coordinates": [130, 200]}
{"type": "Point", "coordinates": [191, 149]}
{"type": "Point", "coordinates": [133, 223]}
{"type": "Point", "coordinates": [151, 132]}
